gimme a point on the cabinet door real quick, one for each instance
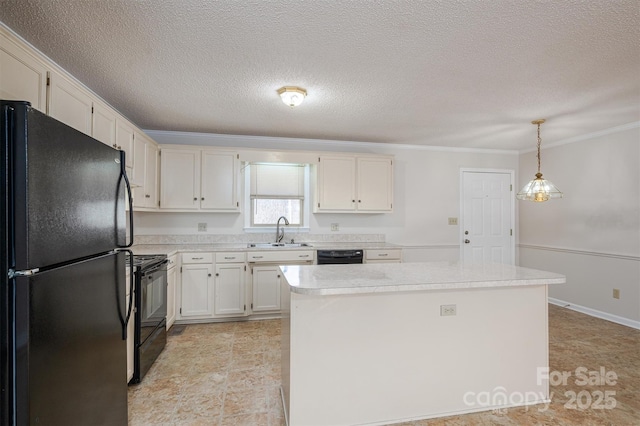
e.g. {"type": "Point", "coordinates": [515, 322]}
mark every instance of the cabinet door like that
{"type": "Point", "coordinates": [151, 175]}
{"type": "Point", "coordinates": [69, 103]}
{"type": "Point", "coordinates": [180, 179]}
{"type": "Point", "coordinates": [219, 181]}
{"type": "Point", "coordinates": [266, 288]}
{"type": "Point", "coordinates": [375, 184]}
{"type": "Point", "coordinates": [103, 124]}
{"type": "Point", "coordinates": [124, 139]}
{"type": "Point", "coordinates": [22, 76]}
{"type": "Point", "coordinates": [196, 293]}
{"type": "Point", "coordinates": [229, 290]}
{"type": "Point", "coordinates": [171, 296]}
{"type": "Point", "coordinates": [336, 185]}
{"type": "Point", "coordinates": [137, 177]}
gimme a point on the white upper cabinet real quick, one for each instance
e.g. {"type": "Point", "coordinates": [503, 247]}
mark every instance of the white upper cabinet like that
{"type": "Point", "coordinates": [336, 185]}
{"type": "Point", "coordinates": [124, 139]}
{"type": "Point", "coordinates": [103, 124]}
{"type": "Point", "coordinates": [375, 184]}
{"type": "Point", "coordinates": [219, 181]}
{"type": "Point", "coordinates": [145, 172]}
{"type": "Point", "coordinates": [22, 76]}
{"type": "Point", "coordinates": [352, 184]}
{"type": "Point", "coordinates": [199, 180]}
{"type": "Point", "coordinates": [70, 103]}
{"type": "Point", "coordinates": [180, 179]}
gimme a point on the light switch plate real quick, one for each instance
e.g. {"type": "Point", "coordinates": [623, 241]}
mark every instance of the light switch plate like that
{"type": "Point", "coordinates": [453, 221]}
{"type": "Point", "coordinates": [202, 227]}
{"type": "Point", "coordinates": [335, 226]}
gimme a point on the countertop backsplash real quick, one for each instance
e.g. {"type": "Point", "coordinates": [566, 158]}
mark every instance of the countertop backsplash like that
{"type": "Point", "coordinates": [257, 238]}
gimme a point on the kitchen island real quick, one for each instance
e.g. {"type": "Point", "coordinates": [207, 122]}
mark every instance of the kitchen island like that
{"type": "Point", "coordinates": [377, 344]}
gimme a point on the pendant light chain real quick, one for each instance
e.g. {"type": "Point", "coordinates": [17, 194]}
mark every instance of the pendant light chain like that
{"type": "Point", "coordinates": [539, 142]}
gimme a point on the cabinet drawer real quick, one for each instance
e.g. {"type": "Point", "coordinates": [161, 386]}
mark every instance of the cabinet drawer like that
{"type": "Point", "coordinates": [383, 254]}
{"type": "Point", "coordinates": [232, 257]}
{"type": "Point", "coordinates": [197, 257]}
{"type": "Point", "coordinates": [280, 256]}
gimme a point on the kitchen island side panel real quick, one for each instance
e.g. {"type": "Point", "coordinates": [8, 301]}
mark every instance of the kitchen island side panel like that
{"type": "Point", "coordinates": [381, 358]}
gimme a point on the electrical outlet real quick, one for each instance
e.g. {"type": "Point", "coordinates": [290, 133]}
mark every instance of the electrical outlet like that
{"type": "Point", "coordinates": [335, 226]}
{"type": "Point", "coordinates": [616, 293]}
{"type": "Point", "coordinates": [202, 227]}
{"type": "Point", "coordinates": [447, 310]}
{"type": "Point", "coordinates": [453, 221]}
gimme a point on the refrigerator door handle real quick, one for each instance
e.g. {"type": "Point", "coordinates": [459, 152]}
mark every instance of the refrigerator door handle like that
{"type": "Point", "coordinates": [123, 175]}
{"type": "Point", "coordinates": [124, 319]}
{"type": "Point", "coordinates": [26, 273]}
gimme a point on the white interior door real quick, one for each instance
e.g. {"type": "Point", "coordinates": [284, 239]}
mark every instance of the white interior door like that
{"type": "Point", "coordinates": [487, 217]}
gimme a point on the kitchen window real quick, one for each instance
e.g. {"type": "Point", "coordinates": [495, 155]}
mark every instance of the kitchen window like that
{"type": "Point", "coordinates": [277, 190]}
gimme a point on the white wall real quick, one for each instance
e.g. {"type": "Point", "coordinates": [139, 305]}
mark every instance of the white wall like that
{"type": "Point", "coordinates": [592, 235]}
{"type": "Point", "coordinates": [426, 193]}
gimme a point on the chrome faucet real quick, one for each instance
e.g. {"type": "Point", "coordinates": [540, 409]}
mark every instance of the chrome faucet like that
{"type": "Point", "coordinates": [280, 234]}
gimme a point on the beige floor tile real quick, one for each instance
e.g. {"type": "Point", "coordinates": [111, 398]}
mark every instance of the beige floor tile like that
{"type": "Point", "coordinates": [229, 374]}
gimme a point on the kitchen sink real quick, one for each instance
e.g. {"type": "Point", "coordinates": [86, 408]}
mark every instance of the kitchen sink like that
{"type": "Point", "coordinates": [276, 245]}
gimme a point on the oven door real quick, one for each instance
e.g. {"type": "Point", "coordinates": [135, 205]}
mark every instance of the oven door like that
{"type": "Point", "coordinates": [152, 309]}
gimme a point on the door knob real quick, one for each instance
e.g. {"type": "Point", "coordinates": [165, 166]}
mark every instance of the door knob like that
{"type": "Point", "coordinates": [466, 232]}
{"type": "Point", "coordinates": [467, 241]}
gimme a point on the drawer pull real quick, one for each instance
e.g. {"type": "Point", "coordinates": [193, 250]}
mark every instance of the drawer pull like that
{"type": "Point", "coordinates": [383, 254]}
{"type": "Point", "coordinates": [229, 257]}
{"type": "Point", "coordinates": [197, 258]}
{"type": "Point", "coordinates": [303, 255]}
{"type": "Point", "coordinates": [257, 257]}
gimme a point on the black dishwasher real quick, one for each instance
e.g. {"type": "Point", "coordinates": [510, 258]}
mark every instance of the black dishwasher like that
{"type": "Point", "coordinates": [338, 257]}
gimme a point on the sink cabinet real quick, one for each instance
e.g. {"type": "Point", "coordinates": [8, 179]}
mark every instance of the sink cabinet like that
{"type": "Point", "coordinates": [266, 288]}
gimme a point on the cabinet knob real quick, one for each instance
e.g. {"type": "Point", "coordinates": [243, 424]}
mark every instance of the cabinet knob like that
{"type": "Point", "coordinates": [202, 198]}
{"type": "Point", "coordinates": [147, 196]}
{"type": "Point", "coordinates": [359, 201]}
{"type": "Point", "coordinates": [217, 274]}
{"type": "Point", "coordinates": [353, 201]}
{"type": "Point", "coordinates": [467, 241]}
{"type": "Point", "coordinates": [210, 275]}
{"type": "Point", "coordinates": [195, 198]}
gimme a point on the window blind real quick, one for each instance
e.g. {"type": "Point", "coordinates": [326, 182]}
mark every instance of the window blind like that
{"type": "Point", "coordinates": [277, 181]}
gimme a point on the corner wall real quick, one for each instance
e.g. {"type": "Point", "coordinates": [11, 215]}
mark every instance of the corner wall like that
{"type": "Point", "coordinates": [592, 235]}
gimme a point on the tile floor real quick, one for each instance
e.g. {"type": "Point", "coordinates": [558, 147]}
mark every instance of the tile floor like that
{"type": "Point", "coordinates": [229, 374]}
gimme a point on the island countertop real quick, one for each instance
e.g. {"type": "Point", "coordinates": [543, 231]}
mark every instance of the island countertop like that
{"type": "Point", "coordinates": [401, 277]}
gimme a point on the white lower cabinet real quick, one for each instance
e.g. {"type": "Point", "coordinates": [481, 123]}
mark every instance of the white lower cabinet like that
{"type": "Point", "coordinates": [196, 291]}
{"type": "Point", "coordinates": [171, 291]}
{"type": "Point", "coordinates": [266, 288]}
{"type": "Point", "coordinates": [229, 290]}
{"type": "Point", "coordinates": [383, 256]}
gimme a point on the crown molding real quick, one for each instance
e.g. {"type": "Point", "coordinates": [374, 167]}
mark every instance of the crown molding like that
{"type": "Point", "coordinates": [222, 140]}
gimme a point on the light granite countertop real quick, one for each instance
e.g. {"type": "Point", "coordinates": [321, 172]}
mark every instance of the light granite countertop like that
{"type": "Point", "coordinates": [171, 249]}
{"type": "Point", "coordinates": [400, 277]}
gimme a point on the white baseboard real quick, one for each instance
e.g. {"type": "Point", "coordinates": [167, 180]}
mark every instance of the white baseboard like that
{"type": "Point", "coordinates": [595, 313]}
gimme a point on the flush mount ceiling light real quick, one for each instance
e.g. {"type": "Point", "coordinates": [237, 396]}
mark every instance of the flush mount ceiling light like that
{"type": "Point", "coordinates": [539, 189]}
{"type": "Point", "coordinates": [292, 95]}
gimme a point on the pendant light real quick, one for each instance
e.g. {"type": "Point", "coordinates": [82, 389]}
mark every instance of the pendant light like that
{"type": "Point", "coordinates": [539, 189]}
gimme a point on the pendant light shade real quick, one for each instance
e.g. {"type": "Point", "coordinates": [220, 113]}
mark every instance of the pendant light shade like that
{"type": "Point", "coordinates": [539, 189]}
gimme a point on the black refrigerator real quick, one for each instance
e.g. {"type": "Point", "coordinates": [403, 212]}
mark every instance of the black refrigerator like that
{"type": "Point", "coordinates": [62, 294]}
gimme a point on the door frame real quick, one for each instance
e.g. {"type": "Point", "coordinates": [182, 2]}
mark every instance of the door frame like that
{"type": "Point", "coordinates": [511, 173]}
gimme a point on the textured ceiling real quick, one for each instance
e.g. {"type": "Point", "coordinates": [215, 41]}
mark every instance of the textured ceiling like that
{"type": "Point", "coordinates": [460, 73]}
